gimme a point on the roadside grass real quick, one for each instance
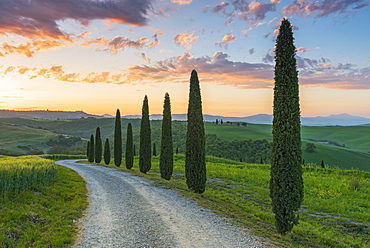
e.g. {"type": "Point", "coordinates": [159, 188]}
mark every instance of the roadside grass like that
{"type": "Point", "coordinates": [335, 211]}
{"type": "Point", "coordinates": [46, 215]}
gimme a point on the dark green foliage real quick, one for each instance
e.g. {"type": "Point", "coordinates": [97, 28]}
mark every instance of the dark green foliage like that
{"type": "Point", "coordinates": [91, 149]}
{"type": "Point", "coordinates": [286, 183]}
{"type": "Point", "coordinates": [154, 150]}
{"type": "Point", "coordinates": [166, 156]}
{"type": "Point", "coordinates": [118, 140]}
{"type": "Point", "coordinates": [129, 148]}
{"type": "Point", "coordinates": [310, 147]}
{"type": "Point", "coordinates": [249, 151]}
{"type": "Point", "coordinates": [145, 162]}
{"type": "Point", "coordinates": [195, 163]}
{"type": "Point", "coordinates": [106, 151]}
{"type": "Point", "coordinates": [177, 150]}
{"type": "Point", "coordinates": [134, 150]}
{"type": "Point", "coordinates": [98, 146]}
{"type": "Point", "coordinates": [88, 149]}
{"type": "Point", "coordinates": [322, 164]}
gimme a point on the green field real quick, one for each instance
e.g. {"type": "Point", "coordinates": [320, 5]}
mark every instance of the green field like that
{"type": "Point", "coordinates": [39, 208]}
{"type": "Point", "coordinates": [350, 157]}
{"type": "Point", "coordinates": [355, 154]}
{"type": "Point", "coordinates": [21, 139]}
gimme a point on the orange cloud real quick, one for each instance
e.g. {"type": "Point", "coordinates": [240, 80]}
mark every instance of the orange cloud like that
{"type": "Point", "coordinates": [28, 49]}
{"type": "Point", "coordinates": [182, 1]}
{"type": "Point", "coordinates": [226, 40]}
{"type": "Point", "coordinates": [186, 40]}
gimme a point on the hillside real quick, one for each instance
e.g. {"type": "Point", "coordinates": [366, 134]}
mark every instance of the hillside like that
{"type": "Point", "coordinates": [354, 155]}
{"type": "Point", "coordinates": [46, 114]}
{"type": "Point", "coordinates": [16, 140]}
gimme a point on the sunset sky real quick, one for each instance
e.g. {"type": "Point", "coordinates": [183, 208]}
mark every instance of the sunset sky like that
{"type": "Point", "coordinates": [100, 55]}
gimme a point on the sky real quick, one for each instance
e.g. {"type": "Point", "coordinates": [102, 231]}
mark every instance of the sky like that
{"type": "Point", "coordinates": [102, 55]}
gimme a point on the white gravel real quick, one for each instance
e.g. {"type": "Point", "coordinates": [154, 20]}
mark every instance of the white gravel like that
{"type": "Point", "coordinates": [130, 211]}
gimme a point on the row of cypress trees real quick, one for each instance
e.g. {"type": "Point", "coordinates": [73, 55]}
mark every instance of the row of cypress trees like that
{"type": "Point", "coordinates": [95, 149]}
{"type": "Point", "coordinates": [195, 165]}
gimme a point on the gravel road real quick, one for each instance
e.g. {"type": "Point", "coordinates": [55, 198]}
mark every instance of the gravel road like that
{"type": "Point", "coordinates": [130, 211]}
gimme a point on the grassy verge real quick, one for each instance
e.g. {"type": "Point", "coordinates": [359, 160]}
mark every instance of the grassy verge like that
{"type": "Point", "coordinates": [45, 216]}
{"type": "Point", "coordinates": [335, 211]}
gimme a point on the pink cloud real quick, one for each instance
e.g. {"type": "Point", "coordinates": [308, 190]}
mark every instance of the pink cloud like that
{"type": "Point", "coordinates": [186, 39]}
{"type": "Point", "coordinates": [39, 18]}
{"type": "Point", "coordinates": [322, 8]}
{"type": "Point", "coordinates": [226, 40]}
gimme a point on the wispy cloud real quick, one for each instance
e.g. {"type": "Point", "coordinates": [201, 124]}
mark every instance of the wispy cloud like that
{"type": "Point", "coordinates": [29, 48]}
{"type": "Point", "coordinates": [249, 11]}
{"type": "Point", "coordinates": [323, 8]}
{"type": "Point", "coordinates": [226, 40]}
{"type": "Point", "coordinates": [39, 18]}
{"type": "Point", "coordinates": [119, 43]}
{"type": "Point", "coordinates": [182, 1]}
{"type": "Point", "coordinates": [186, 39]}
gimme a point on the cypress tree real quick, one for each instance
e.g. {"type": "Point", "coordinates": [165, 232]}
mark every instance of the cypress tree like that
{"type": "Point", "coordinates": [98, 146]}
{"type": "Point", "coordinates": [106, 152]}
{"type": "Point", "coordinates": [134, 150]}
{"type": "Point", "coordinates": [129, 148]}
{"type": "Point", "coordinates": [322, 164]}
{"type": "Point", "coordinates": [154, 150]}
{"type": "Point", "coordinates": [91, 149]}
{"type": "Point", "coordinates": [118, 140]}
{"type": "Point", "coordinates": [286, 183]}
{"type": "Point", "coordinates": [195, 163]}
{"type": "Point", "coordinates": [88, 149]}
{"type": "Point", "coordinates": [166, 156]}
{"type": "Point", "coordinates": [177, 150]}
{"type": "Point", "coordinates": [145, 152]}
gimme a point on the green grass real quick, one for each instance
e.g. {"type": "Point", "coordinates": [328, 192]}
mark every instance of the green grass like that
{"type": "Point", "coordinates": [335, 211]}
{"type": "Point", "coordinates": [44, 216]}
{"type": "Point", "coordinates": [12, 137]}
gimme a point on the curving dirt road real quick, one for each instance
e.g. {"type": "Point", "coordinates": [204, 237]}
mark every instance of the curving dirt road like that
{"type": "Point", "coordinates": [129, 211]}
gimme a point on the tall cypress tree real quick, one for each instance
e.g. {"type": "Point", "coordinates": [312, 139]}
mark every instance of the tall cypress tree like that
{"type": "Point", "coordinates": [286, 183]}
{"type": "Point", "coordinates": [98, 146]}
{"type": "Point", "coordinates": [129, 148]}
{"type": "Point", "coordinates": [154, 150]}
{"type": "Point", "coordinates": [195, 163]}
{"type": "Point", "coordinates": [145, 152]}
{"type": "Point", "coordinates": [91, 149]}
{"type": "Point", "coordinates": [118, 140]}
{"type": "Point", "coordinates": [106, 151]}
{"type": "Point", "coordinates": [88, 149]}
{"type": "Point", "coordinates": [166, 156]}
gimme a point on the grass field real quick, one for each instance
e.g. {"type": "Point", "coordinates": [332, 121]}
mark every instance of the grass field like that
{"type": "Point", "coordinates": [13, 138]}
{"type": "Point", "coordinates": [333, 156]}
{"type": "Point", "coordinates": [42, 215]}
{"type": "Point", "coordinates": [335, 211]}
{"type": "Point", "coordinates": [356, 138]}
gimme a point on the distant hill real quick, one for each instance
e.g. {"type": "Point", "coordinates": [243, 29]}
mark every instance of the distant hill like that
{"type": "Point", "coordinates": [46, 114]}
{"type": "Point", "coordinates": [331, 120]}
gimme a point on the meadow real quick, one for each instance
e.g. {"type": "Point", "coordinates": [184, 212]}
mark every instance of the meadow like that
{"type": "Point", "coordinates": [355, 154]}
{"type": "Point", "coordinates": [40, 203]}
{"type": "Point", "coordinates": [335, 211]}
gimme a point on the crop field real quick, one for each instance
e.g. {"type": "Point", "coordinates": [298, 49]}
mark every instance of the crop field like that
{"type": "Point", "coordinates": [335, 211]}
{"type": "Point", "coordinates": [24, 173]}
{"type": "Point", "coordinates": [40, 203]}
